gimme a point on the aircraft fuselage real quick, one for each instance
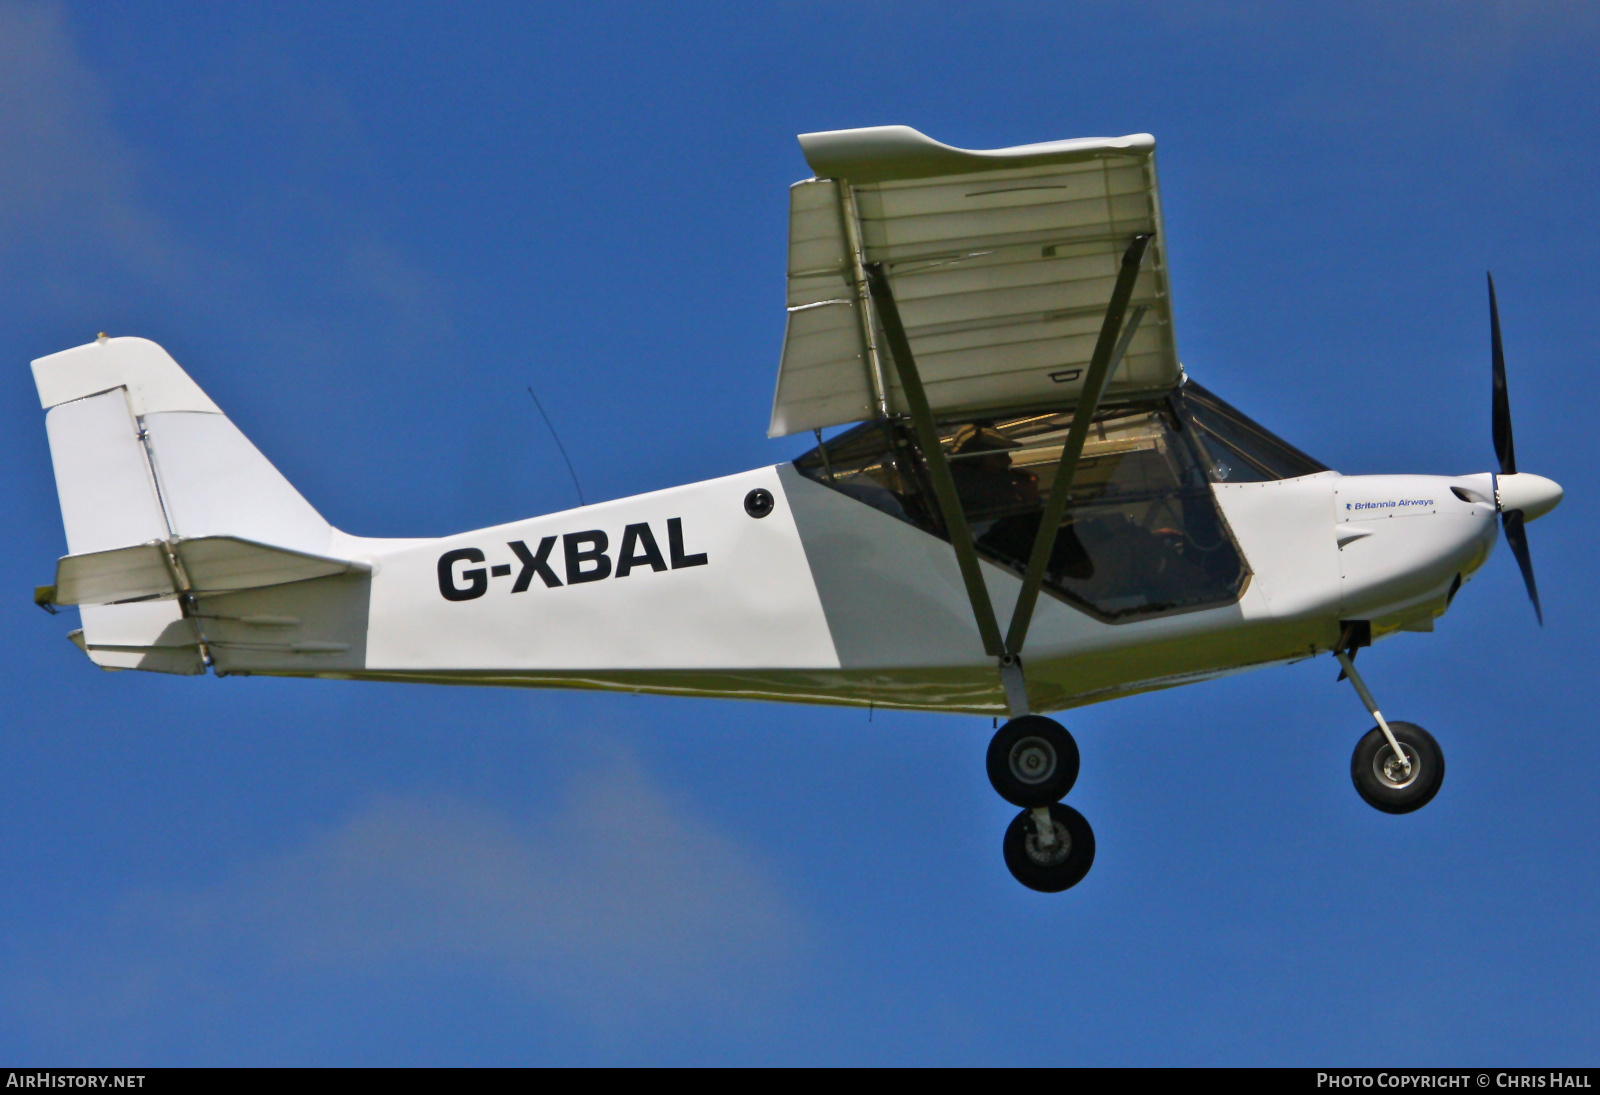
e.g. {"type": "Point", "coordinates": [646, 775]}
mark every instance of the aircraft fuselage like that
{"type": "Point", "coordinates": [824, 599]}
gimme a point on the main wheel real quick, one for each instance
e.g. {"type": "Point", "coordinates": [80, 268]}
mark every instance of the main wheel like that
{"type": "Point", "coordinates": [1384, 782]}
{"type": "Point", "coordinates": [1058, 867]}
{"type": "Point", "coordinates": [1032, 761]}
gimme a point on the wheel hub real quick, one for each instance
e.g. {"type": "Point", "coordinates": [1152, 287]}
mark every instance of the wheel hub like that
{"type": "Point", "coordinates": [1033, 760]}
{"type": "Point", "coordinates": [1393, 771]}
{"type": "Point", "coordinates": [1055, 853]}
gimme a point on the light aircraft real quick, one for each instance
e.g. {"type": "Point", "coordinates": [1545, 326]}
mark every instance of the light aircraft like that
{"type": "Point", "coordinates": [995, 328]}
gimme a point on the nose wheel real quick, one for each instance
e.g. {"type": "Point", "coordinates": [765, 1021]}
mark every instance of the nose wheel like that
{"type": "Point", "coordinates": [1032, 763]}
{"type": "Point", "coordinates": [1397, 783]}
{"type": "Point", "coordinates": [1397, 766]}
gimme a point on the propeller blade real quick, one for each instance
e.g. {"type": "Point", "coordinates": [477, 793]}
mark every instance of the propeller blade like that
{"type": "Point", "coordinates": [1517, 537]}
{"type": "Point", "coordinates": [1503, 447]}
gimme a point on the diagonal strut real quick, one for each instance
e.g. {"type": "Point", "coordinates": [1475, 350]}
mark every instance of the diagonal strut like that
{"type": "Point", "coordinates": [1108, 351]}
{"type": "Point", "coordinates": [944, 484]}
{"type": "Point", "coordinates": [1094, 385]}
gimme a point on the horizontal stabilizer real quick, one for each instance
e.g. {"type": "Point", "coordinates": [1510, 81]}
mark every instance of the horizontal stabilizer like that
{"type": "Point", "coordinates": [121, 574]}
{"type": "Point", "coordinates": [211, 564]}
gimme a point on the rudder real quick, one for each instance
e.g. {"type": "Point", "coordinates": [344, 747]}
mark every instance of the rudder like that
{"type": "Point", "coordinates": [142, 454]}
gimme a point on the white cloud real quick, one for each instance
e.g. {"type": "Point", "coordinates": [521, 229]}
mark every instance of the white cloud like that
{"type": "Point", "coordinates": [619, 905]}
{"type": "Point", "coordinates": [66, 178]}
{"type": "Point", "coordinates": [75, 206]}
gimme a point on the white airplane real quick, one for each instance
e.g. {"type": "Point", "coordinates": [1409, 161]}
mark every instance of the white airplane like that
{"type": "Point", "coordinates": [996, 325]}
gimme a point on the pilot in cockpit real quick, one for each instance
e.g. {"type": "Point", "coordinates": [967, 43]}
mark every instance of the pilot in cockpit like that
{"type": "Point", "coordinates": [980, 463]}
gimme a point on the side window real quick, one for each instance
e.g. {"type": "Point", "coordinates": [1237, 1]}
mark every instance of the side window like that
{"type": "Point", "coordinates": [865, 463]}
{"type": "Point", "coordinates": [1142, 534]}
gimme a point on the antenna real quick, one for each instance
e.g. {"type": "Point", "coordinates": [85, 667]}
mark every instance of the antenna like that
{"type": "Point", "coordinates": [559, 445]}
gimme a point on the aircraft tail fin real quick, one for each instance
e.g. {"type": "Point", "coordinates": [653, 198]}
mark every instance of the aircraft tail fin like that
{"type": "Point", "coordinates": [142, 456]}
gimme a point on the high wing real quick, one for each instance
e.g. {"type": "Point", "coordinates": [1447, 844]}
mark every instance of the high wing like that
{"type": "Point", "coordinates": [1001, 263]}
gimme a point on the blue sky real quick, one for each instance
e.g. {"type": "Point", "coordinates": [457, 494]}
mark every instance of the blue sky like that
{"type": "Point", "coordinates": [365, 228]}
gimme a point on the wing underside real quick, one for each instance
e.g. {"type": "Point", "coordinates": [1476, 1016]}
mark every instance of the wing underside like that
{"type": "Point", "coordinates": [1001, 264]}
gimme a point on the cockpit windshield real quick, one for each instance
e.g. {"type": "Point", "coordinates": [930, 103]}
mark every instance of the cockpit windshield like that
{"type": "Point", "coordinates": [1142, 535]}
{"type": "Point", "coordinates": [1238, 449]}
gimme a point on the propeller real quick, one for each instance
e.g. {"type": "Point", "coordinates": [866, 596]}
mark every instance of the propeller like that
{"type": "Point", "coordinates": [1515, 496]}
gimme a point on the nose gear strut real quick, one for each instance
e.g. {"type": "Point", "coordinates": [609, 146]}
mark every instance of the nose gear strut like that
{"type": "Point", "coordinates": [1397, 767]}
{"type": "Point", "coordinates": [1349, 664]}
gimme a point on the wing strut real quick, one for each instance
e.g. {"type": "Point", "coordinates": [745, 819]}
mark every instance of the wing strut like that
{"type": "Point", "coordinates": [1108, 351]}
{"type": "Point", "coordinates": [1094, 386]}
{"type": "Point", "coordinates": [944, 484]}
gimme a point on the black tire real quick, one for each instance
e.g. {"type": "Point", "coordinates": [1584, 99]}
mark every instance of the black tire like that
{"type": "Point", "coordinates": [1383, 784]}
{"type": "Point", "coordinates": [1050, 870]}
{"type": "Point", "coordinates": [1032, 761]}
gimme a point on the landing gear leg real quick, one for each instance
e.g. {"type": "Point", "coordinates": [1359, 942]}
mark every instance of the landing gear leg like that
{"type": "Point", "coordinates": [1032, 763]}
{"type": "Point", "coordinates": [1349, 665]}
{"type": "Point", "coordinates": [1108, 350]}
{"type": "Point", "coordinates": [1397, 767]}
